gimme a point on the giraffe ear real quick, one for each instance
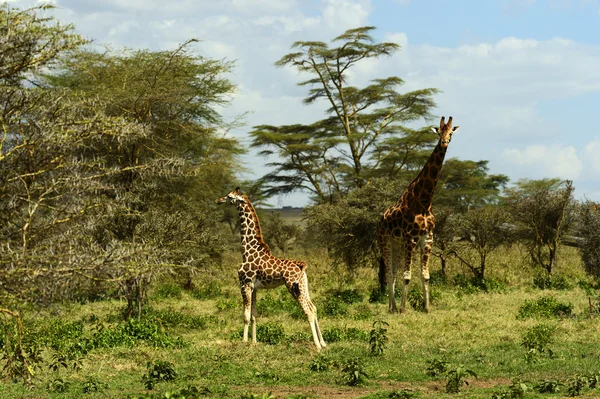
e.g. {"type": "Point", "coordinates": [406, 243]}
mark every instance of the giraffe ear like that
{"type": "Point", "coordinates": [435, 130]}
{"type": "Point", "coordinates": [455, 128]}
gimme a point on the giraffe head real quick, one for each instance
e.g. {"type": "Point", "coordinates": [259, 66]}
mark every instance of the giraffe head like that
{"type": "Point", "coordinates": [445, 131]}
{"type": "Point", "coordinates": [234, 197]}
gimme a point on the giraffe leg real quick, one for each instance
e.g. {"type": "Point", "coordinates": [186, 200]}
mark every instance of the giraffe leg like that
{"type": "Point", "coordinates": [409, 248]}
{"type": "Point", "coordinates": [425, 254]}
{"type": "Point", "coordinates": [299, 290]}
{"type": "Point", "coordinates": [247, 298]}
{"type": "Point", "coordinates": [253, 315]}
{"type": "Point", "coordinates": [387, 249]}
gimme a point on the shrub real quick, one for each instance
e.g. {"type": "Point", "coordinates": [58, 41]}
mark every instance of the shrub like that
{"type": "Point", "coordinates": [378, 338]}
{"type": "Point", "coordinates": [590, 231]}
{"type": "Point", "coordinates": [516, 390]}
{"type": "Point", "coordinates": [548, 386]}
{"type": "Point", "coordinates": [546, 306]}
{"type": "Point", "coordinates": [348, 296]}
{"type": "Point", "coordinates": [536, 341]}
{"type": "Point", "coordinates": [157, 372]}
{"type": "Point", "coordinates": [457, 378]}
{"type": "Point", "coordinates": [132, 332]}
{"type": "Point", "coordinates": [168, 290]}
{"type": "Point", "coordinates": [335, 307]}
{"type": "Point", "coordinates": [336, 334]}
{"type": "Point", "coordinates": [545, 281]}
{"type": "Point", "coordinates": [227, 304]}
{"type": "Point", "coordinates": [436, 367]}
{"type": "Point", "coordinates": [269, 333]}
{"type": "Point", "coordinates": [320, 363]}
{"type": "Point", "coordinates": [171, 317]}
{"type": "Point", "coordinates": [353, 372]}
{"type": "Point", "coordinates": [210, 290]}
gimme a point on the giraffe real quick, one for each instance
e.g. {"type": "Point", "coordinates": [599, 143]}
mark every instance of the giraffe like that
{"type": "Point", "coordinates": [409, 223]}
{"type": "Point", "coordinates": [260, 269]}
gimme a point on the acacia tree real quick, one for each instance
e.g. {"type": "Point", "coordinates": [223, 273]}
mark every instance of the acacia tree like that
{"type": "Point", "coordinates": [543, 212]}
{"type": "Point", "coordinates": [590, 230]}
{"type": "Point", "coordinates": [363, 133]}
{"type": "Point", "coordinates": [165, 171]}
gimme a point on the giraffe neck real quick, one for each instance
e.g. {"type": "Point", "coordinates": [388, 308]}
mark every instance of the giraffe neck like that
{"type": "Point", "coordinates": [250, 228]}
{"type": "Point", "coordinates": [423, 186]}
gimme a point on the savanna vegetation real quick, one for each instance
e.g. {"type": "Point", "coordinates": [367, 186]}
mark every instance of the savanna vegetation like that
{"type": "Point", "coordinates": [118, 273]}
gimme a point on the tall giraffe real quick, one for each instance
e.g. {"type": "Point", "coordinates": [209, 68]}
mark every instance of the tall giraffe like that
{"type": "Point", "coordinates": [409, 223]}
{"type": "Point", "coordinates": [260, 269]}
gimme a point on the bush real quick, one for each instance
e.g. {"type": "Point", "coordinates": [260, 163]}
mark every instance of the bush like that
{"type": "Point", "coordinates": [335, 307]}
{"type": "Point", "coordinates": [133, 331]}
{"type": "Point", "coordinates": [269, 333]}
{"type": "Point", "coordinates": [546, 281]}
{"type": "Point", "coordinates": [353, 372]}
{"type": "Point", "coordinates": [378, 338]}
{"type": "Point", "coordinates": [158, 371]}
{"type": "Point", "coordinates": [546, 306]}
{"type": "Point", "coordinates": [590, 231]}
{"type": "Point", "coordinates": [337, 334]}
{"type": "Point", "coordinates": [536, 341]}
{"type": "Point", "coordinates": [346, 296]}
{"type": "Point", "coordinates": [168, 290]}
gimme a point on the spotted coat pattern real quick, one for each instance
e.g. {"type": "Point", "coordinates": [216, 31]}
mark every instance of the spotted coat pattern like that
{"type": "Point", "coordinates": [409, 223]}
{"type": "Point", "coordinates": [261, 269]}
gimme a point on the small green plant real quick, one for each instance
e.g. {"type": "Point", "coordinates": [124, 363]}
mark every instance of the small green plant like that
{"type": "Point", "coordinates": [93, 384]}
{"type": "Point", "coordinates": [58, 385]}
{"type": "Point", "coordinates": [436, 367]}
{"type": "Point", "coordinates": [546, 306]}
{"type": "Point", "coordinates": [67, 361]}
{"type": "Point", "coordinates": [210, 290]}
{"type": "Point", "coordinates": [548, 386]}
{"type": "Point", "coordinates": [536, 341]}
{"type": "Point", "coordinates": [457, 378]}
{"type": "Point", "coordinates": [576, 385]}
{"type": "Point", "coordinates": [335, 307]}
{"type": "Point", "coordinates": [353, 372]}
{"type": "Point", "coordinates": [348, 296]}
{"type": "Point", "coordinates": [227, 304]}
{"type": "Point", "coordinates": [158, 371]}
{"type": "Point", "coordinates": [249, 395]}
{"type": "Point", "coordinates": [168, 290]}
{"type": "Point", "coordinates": [545, 281]}
{"type": "Point", "coordinates": [378, 338]}
{"type": "Point", "coordinates": [320, 363]}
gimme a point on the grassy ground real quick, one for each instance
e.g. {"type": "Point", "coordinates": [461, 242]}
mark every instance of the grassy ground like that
{"type": "Point", "coordinates": [467, 327]}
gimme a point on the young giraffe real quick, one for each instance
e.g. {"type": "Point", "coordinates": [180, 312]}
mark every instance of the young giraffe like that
{"type": "Point", "coordinates": [409, 222]}
{"type": "Point", "coordinates": [260, 269]}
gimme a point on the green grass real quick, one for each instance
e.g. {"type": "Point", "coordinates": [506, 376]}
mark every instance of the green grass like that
{"type": "Point", "coordinates": [479, 330]}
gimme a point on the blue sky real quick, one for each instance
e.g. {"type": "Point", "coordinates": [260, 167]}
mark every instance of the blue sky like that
{"type": "Point", "coordinates": [521, 77]}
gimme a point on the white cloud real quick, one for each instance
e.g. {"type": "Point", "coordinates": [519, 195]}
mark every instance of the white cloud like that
{"type": "Point", "coordinates": [547, 161]}
{"type": "Point", "coordinates": [591, 153]}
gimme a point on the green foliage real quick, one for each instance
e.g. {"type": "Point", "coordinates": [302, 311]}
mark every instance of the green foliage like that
{"type": "Point", "coordinates": [269, 333]}
{"type": "Point", "coordinates": [249, 395]}
{"type": "Point", "coordinates": [473, 285]}
{"type": "Point", "coordinates": [548, 386]}
{"type": "Point", "coordinates": [172, 318]}
{"type": "Point", "coordinates": [457, 377]}
{"type": "Point", "coordinates": [189, 392]}
{"type": "Point", "coordinates": [576, 385]}
{"type": "Point", "coordinates": [67, 361]}
{"type": "Point", "coordinates": [158, 371]}
{"type": "Point", "coordinates": [395, 394]}
{"type": "Point", "coordinates": [348, 296]}
{"type": "Point", "coordinates": [516, 390]}
{"type": "Point", "coordinates": [543, 211]}
{"type": "Point", "coordinates": [589, 229]}
{"type": "Point", "coordinates": [58, 385]}
{"type": "Point", "coordinates": [536, 341]}
{"type": "Point", "coordinates": [209, 290]}
{"type": "Point", "coordinates": [132, 332]}
{"type": "Point", "coordinates": [320, 363]}
{"type": "Point", "coordinates": [269, 305]}
{"type": "Point", "coordinates": [436, 367]}
{"type": "Point", "coordinates": [279, 234]}
{"type": "Point", "coordinates": [353, 372]}
{"type": "Point", "coordinates": [334, 307]}
{"type": "Point", "coordinates": [168, 290]}
{"type": "Point", "coordinates": [93, 384]}
{"type": "Point", "coordinates": [227, 304]}
{"type": "Point", "coordinates": [378, 338]}
{"type": "Point", "coordinates": [546, 281]}
{"type": "Point", "coordinates": [546, 307]}
{"type": "Point", "coordinates": [483, 232]}
{"type": "Point", "coordinates": [362, 133]}
{"type": "Point", "coordinates": [336, 334]}
{"type": "Point", "coordinates": [362, 312]}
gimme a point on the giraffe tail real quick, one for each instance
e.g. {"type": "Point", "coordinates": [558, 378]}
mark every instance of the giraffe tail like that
{"type": "Point", "coordinates": [381, 275]}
